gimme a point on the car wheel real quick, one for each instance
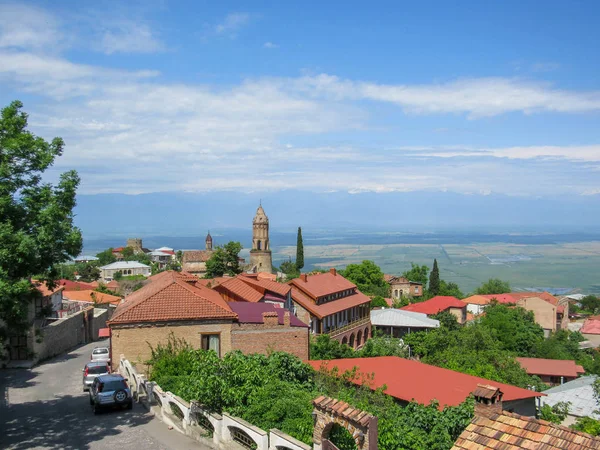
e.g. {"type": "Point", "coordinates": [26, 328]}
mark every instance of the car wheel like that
{"type": "Point", "coordinates": [120, 396]}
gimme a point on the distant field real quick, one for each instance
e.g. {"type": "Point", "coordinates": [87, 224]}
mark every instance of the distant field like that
{"type": "Point", "coordinates": [561, 267]}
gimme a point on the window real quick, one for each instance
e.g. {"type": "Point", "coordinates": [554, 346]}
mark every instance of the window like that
{"type": "Point", "coordinates": [212, 342]}
{"type": "Point", "coordinates": [416, 289]}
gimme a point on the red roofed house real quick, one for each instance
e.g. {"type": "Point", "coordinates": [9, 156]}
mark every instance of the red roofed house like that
{"type": "Point", "coordinates": [409, 380]}
{"type": "Point", "coordinates": [74, 285]}
{"type": "Point", "coordinates": [175, 303]}
{"type": "Point", "coordinates": [552, 371]}
{"type": "Point", "coordinates": [549, 313]}
{"type": "Point", "coordinates": [330, 304]}
{"type": "Point", "coordinates": [591, 330]}
{"type": "Point", "coordinates": [441, 303]}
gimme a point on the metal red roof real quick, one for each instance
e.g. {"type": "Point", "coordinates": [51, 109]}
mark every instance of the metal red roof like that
{"type": "Point", "coordinates": [435, 305]}
{"type": "Point", "coordinates": [252, 313]}
{"type": "Point", "coordinates": [551, 367]}
{"type": "Point", "coordinates": [412, 380]}
{"type": "Point", "coordinates": [591, 326]}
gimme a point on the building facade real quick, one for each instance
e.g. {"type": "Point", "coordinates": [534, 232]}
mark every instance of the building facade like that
{"type": "Point", "coordinates": [402, 287]}
{"type": "Point", "coordinates": [127, 268]}
{"type": "Point", "coordinates": [260, 254]}
{"type": "Point", "coordinates": [194, 261]}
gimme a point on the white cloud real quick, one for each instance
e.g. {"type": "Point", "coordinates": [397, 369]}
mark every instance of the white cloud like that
{"type": "Point", "coordinates": [28, 27]}
{"type": "Point", "coordinates": [270, 45]}
{"type": "Point", "coordinates": [129, 37]}
{"type": "Point", "coordinates": [232, 23]}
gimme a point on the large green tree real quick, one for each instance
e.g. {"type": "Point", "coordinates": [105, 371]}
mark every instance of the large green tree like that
{"type": "Point", "coordinates": [106, 257]}
{"type": "Point", "coordinates": [299, 250]}
{"type": "Point", "coordinates": [224, 260]}
{"type": "Point", "coordinates": [36, 218]}
{"type": "Point", "coordinates": [417, 273]}
{"type": "Point", "coordinates": [434, 279]}
{"type": "Point", "coordinates": [368, 277]}
{"type": "Point", "coordinates": [493, 286]}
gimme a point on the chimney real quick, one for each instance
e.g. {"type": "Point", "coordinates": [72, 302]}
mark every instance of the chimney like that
{"type": "Point", "coordinates": [286, 319]}
{"type": "Point", "coordinates": [488, 400]}
{"type": "Point", "coordinates": [332, 271]}
{"type": "Point", "coordinates": [304, 277]}
{"type": "Point", "coordinates": [270, 319]}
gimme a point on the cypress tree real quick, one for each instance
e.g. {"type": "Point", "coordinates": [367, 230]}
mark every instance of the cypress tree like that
{"type": "Point", "coordinates": [434, 279]}
{"type": "Point", "coordinates": [299, 251]}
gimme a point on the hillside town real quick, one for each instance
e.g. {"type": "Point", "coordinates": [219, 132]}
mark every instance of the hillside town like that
{"type": "Point", "coordinates": [487, 358]}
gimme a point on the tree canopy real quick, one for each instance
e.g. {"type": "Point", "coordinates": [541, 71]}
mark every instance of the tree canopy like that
{"type": "Point", "coordinates": [417, 273]}
{"type": "Point", "coordinates": [224, 260]}
{"type": "Point", "coordinates": [493, 286]}
{"type": "Point", "coordinates": [434, 279]}
{"type": "Point", "coordinates": [106, 257]}
{"type": "Point", "coordinates": [299, 250]}
{"type": "Point", "coordinates": [36, 218]}
{"type": "Point", "coordinates": [368, 277]}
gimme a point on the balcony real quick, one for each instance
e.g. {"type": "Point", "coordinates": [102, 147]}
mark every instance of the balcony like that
{"type": "Point", "coordinates": [350, 326]}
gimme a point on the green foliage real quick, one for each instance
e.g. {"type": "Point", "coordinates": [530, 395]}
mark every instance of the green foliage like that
{"type": "Point", "coordinates": [88, 272]}
{"type": "Point", "coordinates": [290, 269]}
{"type": "Point", "coordinates": [224, 260]}
{"type": "Point", "coordinates": [417, 273]}
{"type": "Point", "coordinates": [400, 302]}
{"type": "Point", "coordinates": [276, 391]}
{"type": "Point", "coordinates": [36, 218]}
{"type": "Point", "coordinates": [434, 280]}
{"type": "Point", "coordinates": [382, 345]}
{"type": "Point", "coordinates": [590, 304]}
{"type": "Point", "coordinates": [556, 413]}
{"type": "Point", "coordinates": [118, 275]}
{"type": "Point", "coordinates": [128, 254]}
{"type": "Point", "coordinates": [450, 289]}
{"type": "Point", "coordinates": [368, 277]}
{"type": "Point", "coordinates": [587, 425]}
{"type": "Point", "coordinates": [493, 286]}
{"type": "Point", "coordinates": [102, 288]}
{"type": "Point", "coordinates": [106, 257]}
{"type": "Point", "coordinates": [323, 347]}
{"type": "Point", "coordinates": [447, 320]}
{"type": "Point", "coordinates": [515, 328]}
{"type": "Point", "coordinates": [341, 438]}
{"type": "Point", "coordinates": [299, 251]}
{"type": "Point", "coordinates": [378, 302]}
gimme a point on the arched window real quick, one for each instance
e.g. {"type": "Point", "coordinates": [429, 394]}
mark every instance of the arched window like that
{"type": "Point", "coordinates": [258, 245]}
{"type": "Point", "coordinates": [352, 340]}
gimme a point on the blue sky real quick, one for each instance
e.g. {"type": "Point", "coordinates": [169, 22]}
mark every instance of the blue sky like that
{"type": "Point", "coordinates": [467, 97]}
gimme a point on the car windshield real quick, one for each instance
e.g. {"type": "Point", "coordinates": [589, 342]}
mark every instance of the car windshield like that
{"type": "Point", "coordinates": [113, 385]}
{"type": "Point", "coordinates": [100, 351]}
{"type": "Point", "coordinates": [95, 370]}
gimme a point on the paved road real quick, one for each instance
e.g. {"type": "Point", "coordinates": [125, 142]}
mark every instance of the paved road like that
{"type": "Point", "coordinates": [45, 407]}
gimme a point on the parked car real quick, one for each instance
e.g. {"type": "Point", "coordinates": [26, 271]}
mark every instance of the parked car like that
{"type": "Point", "coordinates": [110, 391]}
{"type": "Point", "coordinates": [92, 370]}
{"type": "Point", "coordinates": [100, 354]}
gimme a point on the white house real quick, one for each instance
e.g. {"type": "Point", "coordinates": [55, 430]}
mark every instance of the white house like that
{"type": "Point", "coordinates": [127, 268]}
{"type": "Point", "coordinates": [397, 323]}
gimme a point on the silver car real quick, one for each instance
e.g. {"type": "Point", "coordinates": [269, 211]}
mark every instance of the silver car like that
{"type": "Point", "coordinates": [92, 370]}
{"type": "Point", "coordinates": [100, 354]}
{"type": "Point", "coordinates": [109, 391]}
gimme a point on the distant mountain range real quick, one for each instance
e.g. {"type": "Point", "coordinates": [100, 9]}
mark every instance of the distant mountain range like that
{"type": "Point", "coordinates": [192, 214]}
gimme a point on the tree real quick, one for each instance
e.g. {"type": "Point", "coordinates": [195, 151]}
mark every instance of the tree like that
{"type": "Point", "coordinates": [514, 328]}
{"type": "Point", "coordinates": [224, 260]}
{"type": "Point", "coordinates": [493, 286]}
{"type": "Point", "coordinates": [88, 272]}
{"type": "Point", "coordinates": [36, 219]}
{"type": "Point", "coordinates": [590, 303]}
{"type": "Point", "coordinates": [555, 413]}
{"type": "Point", "coordinates": [290, 269]}
{"type": "Point", "coordinates": [118, 275]}
{"type": "Point", "coordinates": [450, 289]}
{"type": "Point", "coordinates": [299, 250]}
{"type": "Point", "coordinates": [323, 347]}
{"type": "Point", "coordinates": [368, 277]}
{"type": "Point", "coordinates": [417, 273]}
{"type": "Point", "coordinates": [378, 302]}
{"type": "Point", "coordinates": [106, 257]}
{"type": "Point", "coordinates": [434, 279]}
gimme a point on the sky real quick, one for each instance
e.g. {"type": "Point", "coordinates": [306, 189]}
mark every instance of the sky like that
{"type": "Point", "coordinates": [466, 97]}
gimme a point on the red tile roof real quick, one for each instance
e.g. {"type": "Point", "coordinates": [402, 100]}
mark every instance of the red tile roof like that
{"type": "Point", "coordinates": [591, 326]}
{"type": "Point", "coordinates": [75, 285]}
{"type": "Point", "coordinates": [272, 286]}
{"type": "Point", "coordinates": [551, 367]}
{"type": "Point", "coordinates": [242, 290]}
{"type": "Point", "coordinates": [43, 288]}
{"type": "Point", "coordinates": [322, 284]}
{"type": "Point", "coordinates": [412, 380]}
{"type": "Point", "coordinates": [118, 249]}
{"type": "Point", "coordinates": [168, 297]}
{"type": "Point", "coordinates": [509, 431]}
{"type": "Point", "coordinates": [435, 305]}
{"type": "Point", "coordinates": [543, 295]}
{"type": "Point", "coordinates": [331, 307]}
{"type": "Point", "coordinates": [92, 296]}
{"type": "Point", "coordinates": [196, 256]}
{"type": "Point", "coordinates": [253, 313]}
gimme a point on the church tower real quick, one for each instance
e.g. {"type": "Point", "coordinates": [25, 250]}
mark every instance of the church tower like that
{"type": "Point", "coordinates": [260, 255]}
{"type": "Point", "coordinates": [209, 242]}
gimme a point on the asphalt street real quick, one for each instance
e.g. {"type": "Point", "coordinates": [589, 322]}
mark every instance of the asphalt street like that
{"type": "Point", "coordinates": [45, 407]}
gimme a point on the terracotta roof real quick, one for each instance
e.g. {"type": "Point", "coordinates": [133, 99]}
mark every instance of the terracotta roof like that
{"type": "Point", "coordinates": [238, 287]}
{"type": "Point", "coordinates": [388, 277]}
{"type": "Point", "coordinates": [168, 297]}
{"type": "Point", "coordinates": [43, 288]}
{"type": "Point", "coordinates": [543, 295]}
{"type": "Point", "coordinates": [92, 297]}
{"type": "Point", "coordinates": [75, 285]}
{"type": "Point", "coordinates": [253, 313]}
{"type": "Point", "coordinates": [551, 367]}
{"type": "Point", "coordinates": [196, 256]}
{"type": "Point", "coordinates": [591, 326]}
{"type": "Point", "coordinates": [118, 249]}
{"type": "Point", "coordinates": [435, 305]}
{"type": "Point", "coordinates": [272, 286]}
{"type": "Point", "coordinates": [507, 431]}
{"type": "Point", "coordinates": [407, 380]}
{"type": "Point", "coordinates": [322, 284]}
{"type": "Point", "coordinates": [331, 307]}
{"type": "Point", "coordinates": [343, 410]}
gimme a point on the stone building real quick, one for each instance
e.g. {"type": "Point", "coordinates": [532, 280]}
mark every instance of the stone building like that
{"type": "Point", "coordinates": [402, 287]}
{"type": "Point", "coordinates": [194, 261]}
{"type": "Point", "coordinates": [177, 304]}
{"type": "Point", "coordinates": [260, 254]}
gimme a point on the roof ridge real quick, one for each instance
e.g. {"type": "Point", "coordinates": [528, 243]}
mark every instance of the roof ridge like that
{"type": "Point", "coordinates": [198, 292]}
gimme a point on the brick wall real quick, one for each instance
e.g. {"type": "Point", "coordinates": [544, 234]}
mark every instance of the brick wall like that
{"type": "Point", "coordinates": [264, 338]}
{"type": "Point", "coordinates": [133, 340]}
{"type": "Point", "coordinates": [302, 314]}
{"type": "Point", "coordinates": [62, 335]}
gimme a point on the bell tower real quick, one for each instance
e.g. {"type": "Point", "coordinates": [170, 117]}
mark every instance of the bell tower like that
{"type": "Point", "coordinates": [260, 254]}
{"type": "Point", "coordinates": [209, 244]}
